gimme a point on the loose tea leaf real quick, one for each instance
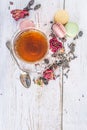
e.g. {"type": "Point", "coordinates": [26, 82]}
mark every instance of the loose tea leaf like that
{"type": "Point", "coordinates": [76, 37]}
{"type": "Point", "coordinates": [51, 22]}
{"type": "Point", "coordinates": [8, 7]}
{"type": "Point", "coordinates": [72, 47]}
{"type": "Point", "coordinates": [80, 34]}
{"type": "Point", "coordinates": [52, 35]}
{"type": "Point", "coordinates": [45, 24]}
{"type": "Point", "coordinates": [63, 39]}
{"type": "Point", "coordinates": [11, 3]}
{"type": "Point", "coordinates": [65, 64]}
{"type": "Point", "coordinates": [37, 6]}
{"type": "Point", "coordinates": [28, 7]}
{"type": "Point", "coordinates": [31, 2]}
{"type": "Point", "coordinates": [46, 61]}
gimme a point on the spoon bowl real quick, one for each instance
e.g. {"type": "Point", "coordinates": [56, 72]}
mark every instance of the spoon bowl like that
{"type": "Point", "coordinates": [25, 80]}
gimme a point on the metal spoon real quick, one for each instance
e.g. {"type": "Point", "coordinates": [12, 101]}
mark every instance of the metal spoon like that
{"type": "Point", "coordinates": [24, 78]}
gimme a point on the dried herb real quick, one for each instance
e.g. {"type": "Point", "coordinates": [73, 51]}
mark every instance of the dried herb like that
{"type": "Point", "coordinates": [60, 63]}
{"type": "Point", "coordinates": [52, 35]}
{"type": "Point", "coordinates": [37, 6]}
{"type": "Point", "coordinates": [83, 95]}
{"type": "Point", "coordinates": [63, 39]}
{"type": "Point", "coordinates": [55, 66]}
{"type": "Point", "coordinates": [45, 81]}
{"type": "Point", "coordinates": [11, 3]}
{"type": "Point", "coordinates": [65, 64]}
{"type": "Point", "coordinates": [51, 22]}
{"type": "Point", "coordinates": [76, 37]}
{"type": "Point", "coordinates": [65, 75]}
{"type": "Point", "coordinates": [54, 55]}
{"type": "Point", "coordinates": [46, 61]}
{"type": "Point", "coordinates": [45, 24]}
{"type": "Point", "coordinates": [31, 2]}
{"type": "Point", "coordinates": [8, 7]}
{"type": "Point", "coordinates": [28, 7]}
{"type": "Point", "coordinates": [57, 76]}
{"type": "Point", "coordinates": [72, 48]}
{"type": "Point", "coordinates": [80, 33]}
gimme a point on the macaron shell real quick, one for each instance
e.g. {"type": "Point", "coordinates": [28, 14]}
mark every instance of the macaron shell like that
{"type": "Point", "coordinates": [61, 16]}
{"type": "Point", "coordinates": [26, 24]}
{"type": "Point", "coordinates": [72, 29]}
{"type": "Point", "coordinates": [59, 30]}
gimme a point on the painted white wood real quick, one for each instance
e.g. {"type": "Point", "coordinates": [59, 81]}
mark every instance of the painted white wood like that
{"type": "Point", "coordinates": [20, 108]}
{"type": "Point", "coordinates": [38, 108]}
{"type": "Point", "coordinates": [75, 87]}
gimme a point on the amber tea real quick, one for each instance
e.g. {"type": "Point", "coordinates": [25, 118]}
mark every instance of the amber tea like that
{"type": "Point", "coordinates": [31, 45]}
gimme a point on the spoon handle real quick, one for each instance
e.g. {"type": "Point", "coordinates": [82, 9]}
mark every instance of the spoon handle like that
{"type": "Point", "coordinates": [9, 46]}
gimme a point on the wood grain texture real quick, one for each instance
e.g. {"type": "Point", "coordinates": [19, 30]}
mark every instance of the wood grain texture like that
{"type": "Point", "coordinates": [75, 87]}
{"type": "Point", "coordinates": [39, 108]}
{"type": "Point", "coordinates": [20, 108]}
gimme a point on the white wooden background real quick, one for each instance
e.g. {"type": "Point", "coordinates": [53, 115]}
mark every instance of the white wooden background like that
{"type": "Point", "coordinates": [39, 108]}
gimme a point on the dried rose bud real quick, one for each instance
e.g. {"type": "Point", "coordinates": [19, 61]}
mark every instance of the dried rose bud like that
{"type": "Point", "coordinates": [18, 14]}
{"type": "Point", "coordinates": [48, 74]}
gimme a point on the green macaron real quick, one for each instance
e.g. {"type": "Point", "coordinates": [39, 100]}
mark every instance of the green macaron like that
{"type": "Point", "coordinates": [72, 29]}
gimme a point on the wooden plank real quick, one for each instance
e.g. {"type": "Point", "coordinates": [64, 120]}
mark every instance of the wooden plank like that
{"type": "Point", "coordinates": [75, 87]}
{"type": "Point", "coordinates": [35, 108]}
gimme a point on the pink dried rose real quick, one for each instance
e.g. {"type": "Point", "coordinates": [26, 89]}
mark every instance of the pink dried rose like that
{"type": "Point", "coordinates": [55, 45]}
{"type": "Point", "coordinates": [17, 14]}
{"type": "Point", "coordinates": [48, 74]}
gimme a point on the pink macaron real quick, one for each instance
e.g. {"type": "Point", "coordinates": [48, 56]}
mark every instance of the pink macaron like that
{"type": "Point", "coordinates": [26, 24]}
{"type": "Point", "coordinates": [59, 30]}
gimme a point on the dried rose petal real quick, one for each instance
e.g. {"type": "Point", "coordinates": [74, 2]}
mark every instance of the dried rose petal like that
{"type": "Point", "coordinates": [55, 45]}
{"type": "Point", "coordinates": [17, 14]}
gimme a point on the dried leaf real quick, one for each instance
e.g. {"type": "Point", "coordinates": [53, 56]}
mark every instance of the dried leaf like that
{"type": "Point", "coordinates": [28, 7]}
{"type": "Point", "coordinates": [11, 3]}
{"type": "Point", "coordinates": [37, 6]}
{"type": "Point", "coordinates": [31, 2]}
{"type": "Point", "coordinates": [51, 22]}
{"type": "Point", "coordinates": [80, 33]}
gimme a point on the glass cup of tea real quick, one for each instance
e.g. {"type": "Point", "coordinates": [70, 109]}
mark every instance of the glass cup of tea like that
{"type": "Point", "coordinates": [30, 47]}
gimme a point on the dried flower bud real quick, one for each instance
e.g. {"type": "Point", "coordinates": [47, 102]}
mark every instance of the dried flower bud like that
{"type": "Point", "coordinates": [48, 74]}
{"type": "Point", "coordinates": [17, 14]}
